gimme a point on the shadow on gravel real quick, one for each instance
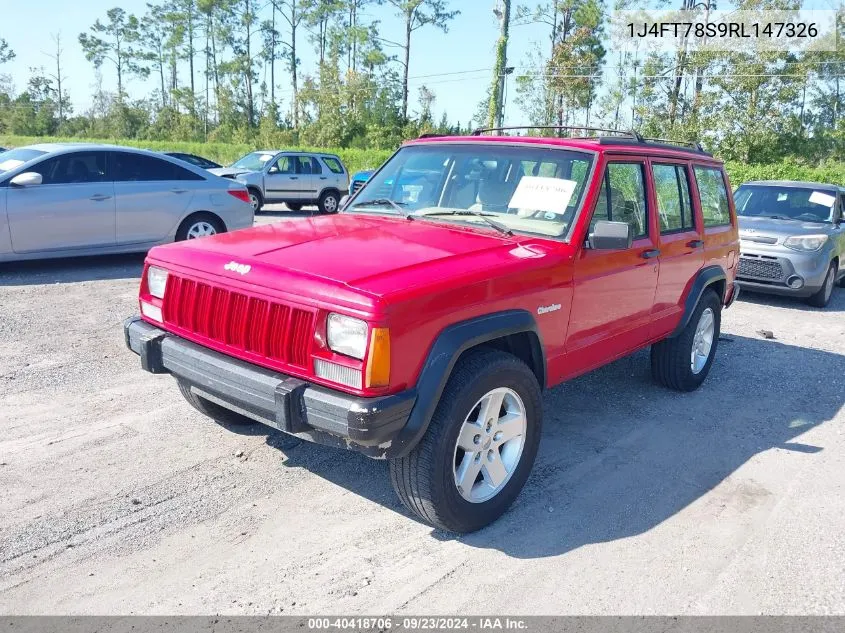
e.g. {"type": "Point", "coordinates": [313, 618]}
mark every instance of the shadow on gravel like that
{"type": "Point", "coordinates": [72, 270]}
{"type": "Point", "coordinates": [620, 455]}
{"type": "Point", "coordinates": [837, 301]}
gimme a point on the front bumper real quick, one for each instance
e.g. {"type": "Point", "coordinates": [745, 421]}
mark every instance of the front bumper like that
{"type": "Point", "coordinates": [769, 269]}
{"type": "Point", "coordinates": [311, 412]}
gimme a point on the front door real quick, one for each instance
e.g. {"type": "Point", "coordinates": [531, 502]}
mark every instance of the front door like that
{"type": "Point", "coordinates": [681, 243]}
{"type": "Point", "coordinates": [282, 182]}
{"type": "Point", "coordinates": [73, 207]}
{"type": "Point", "coordinates": [614, 290]}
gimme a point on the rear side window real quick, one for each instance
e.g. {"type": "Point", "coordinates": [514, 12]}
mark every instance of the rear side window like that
{"type": "Point", "coordinates": [715, 208]}
{"type": "Point", "coordinates": [333, 164]}
{"type": "Point", "coordinates": [140, 168]}
{"type": "Point", "coordinates": [674, 209]}
{"type": "Point", "coordinates": [622, 197]}
{"type": "Point", "coordinates": [74, 168]}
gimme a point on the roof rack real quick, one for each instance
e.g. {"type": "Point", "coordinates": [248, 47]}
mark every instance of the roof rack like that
{"type": "Point", "coordinates": [628, 133]}
{"type": "Point", "coordinates": [671, 141]}
{"type": "Point", "coordinates": [661, 143]}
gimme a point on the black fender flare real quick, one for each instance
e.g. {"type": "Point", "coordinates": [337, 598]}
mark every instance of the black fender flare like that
{"type": "Point", "coordinates": [705, 278]}
{"type": "Point", "coordinates": [444, 353]}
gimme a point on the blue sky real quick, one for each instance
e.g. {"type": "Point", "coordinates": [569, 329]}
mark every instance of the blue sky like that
{"type": "Point", "coordinates": [468, 46]}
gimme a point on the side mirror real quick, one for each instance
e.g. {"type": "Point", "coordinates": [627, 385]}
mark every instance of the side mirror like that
{"type": "Point", "coordinates": [612, 236]}
{"type": "Point", "coordinates": [26, 179]}
{"type": "Point", "coordinates": [343, 202]}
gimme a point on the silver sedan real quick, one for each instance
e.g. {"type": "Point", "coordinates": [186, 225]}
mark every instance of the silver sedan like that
{"type": "Point", "coordinates": [64, 200]}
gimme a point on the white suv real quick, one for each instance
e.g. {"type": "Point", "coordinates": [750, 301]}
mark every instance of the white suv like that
{"type": "Point", "coordinates": [294, 178]}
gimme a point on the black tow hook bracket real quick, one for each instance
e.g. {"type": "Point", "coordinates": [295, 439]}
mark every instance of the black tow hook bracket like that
{"type": "Point", "coordinates": [151, 359]}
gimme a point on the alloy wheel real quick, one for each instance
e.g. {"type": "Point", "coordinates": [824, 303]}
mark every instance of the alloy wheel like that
{"type": "Point", "coordinates": [702, 341]}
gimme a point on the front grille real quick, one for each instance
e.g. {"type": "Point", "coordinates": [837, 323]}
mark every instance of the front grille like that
{"type": "Point", "coordinates": [760, 268]}
{"type": "Point", "coordinates": [273, 330]}
{"type": "Point", "coordinates": [356, 185]}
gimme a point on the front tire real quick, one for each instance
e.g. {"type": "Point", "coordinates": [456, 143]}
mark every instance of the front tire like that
{"type": "Point", "coordinates": [683, 362]}
{"type": "Point", "coordinates": [328, 202]}
{"type": "Point", "coordinates": [479, 447]}
{"type": "Point", "coordinates": [221, 415]}
{"type": "Point", "coordinates": [822, 297]}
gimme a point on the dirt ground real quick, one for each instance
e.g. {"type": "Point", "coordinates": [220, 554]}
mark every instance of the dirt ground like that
{"type": "Point", "coordinates": [117, 498]}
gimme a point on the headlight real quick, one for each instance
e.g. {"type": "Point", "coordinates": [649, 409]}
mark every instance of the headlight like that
{"type": "Point", "coordinates": [347, 335]}
{"type": "Point", "coordinates": [156, 281]}
{"type": "Point", "coordinates": [805, 242]}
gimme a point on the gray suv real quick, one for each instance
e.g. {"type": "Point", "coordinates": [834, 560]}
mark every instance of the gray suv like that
{"type": "Point", "coordinates": [791, 238]}
{"type": "Point", "coordinates": [294, 178]}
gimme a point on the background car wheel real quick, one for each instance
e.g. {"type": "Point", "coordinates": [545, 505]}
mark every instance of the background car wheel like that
{"type": "Point", "coordinates": [328, 202]}
{"type": "Point", "coordinates": [683, 362]}
{"type": "Point", "coordinates": [199, 225]}
{"type": "Point", "coordinates": [479, 447]}
{"type": "Point", "coordinates": [255, 199]}
{"type": "Point", "coordinates": [219, 414]}
{"type": "Point", "coordinates": [294, 206]}
{"type": "Point", "coordinates": [822, 297]}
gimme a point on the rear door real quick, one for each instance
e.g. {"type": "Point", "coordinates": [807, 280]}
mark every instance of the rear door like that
{"type": "Point", "coordinates": [282, 182]}
{"type": "Point", "coordinates": [73, 207]}
{"type": "Point", "coordinates": [152, 194]}
{"type": "Point", "coordinates": [309, 171]}
{"type": "Point", "coordinates": [718, 217]}
{"type": "Point", "coordinates": [681, 244]}
{"type": "Point", "coordinates": [614, 290]}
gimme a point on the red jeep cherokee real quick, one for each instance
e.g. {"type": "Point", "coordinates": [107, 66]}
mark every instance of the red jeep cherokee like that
{"type": "Point", "coordinates": [422, 322]}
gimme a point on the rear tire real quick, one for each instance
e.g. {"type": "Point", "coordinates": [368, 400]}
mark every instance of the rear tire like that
{"type": "Point", "coordinates": [426, 480]}
{"type": "Point", "coordinates": [822, 297]}
{"type": "Point", "coordinates": [674, 363]}
{"type": "Point", "coordinates": [199, 225]}
{"type": "Point", "coordinates": [219, 414]}
{"type": "Point", "coordinates": [328, 202]}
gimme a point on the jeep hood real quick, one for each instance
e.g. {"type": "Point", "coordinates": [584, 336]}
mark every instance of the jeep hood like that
{"type": "Point", "coordinates": [750, 225]}
{"type": "Point", "coordinates": [376, 255]}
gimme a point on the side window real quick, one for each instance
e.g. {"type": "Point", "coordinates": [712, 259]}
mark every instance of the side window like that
{"type": "Point", "coordinates": [141, 168]}
{"type": "Point", "coordinates": [284, 165]}
{"type": "Point", "coordinates": [333, 164]}
{"type": "Point", "coordinates": [316, 168]}
{"type": "Point", "coordinates": [304, 165]}
{"type": "Point", "coordinates": [622, 197]}
{"type": "Point", "coordinates": [74, 168]}
{"type": "Point", "coordinates": [673, 198]}
{"type": "Point", "coordinates": [714, 196]}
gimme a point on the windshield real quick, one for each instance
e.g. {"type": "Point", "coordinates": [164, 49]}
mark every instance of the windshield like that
{"type": "Point", "coordinates": [526, 189]}
{"type": "Point", "coordinates": [787, 203]}
{"type": "Point", "coordinates": [254, 161]}
{"type": "Point", "coordinates": [14, 158]}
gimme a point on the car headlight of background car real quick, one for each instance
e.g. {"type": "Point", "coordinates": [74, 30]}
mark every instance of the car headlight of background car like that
{"type": "Point", "coordinates": [156, 281]}
{"type": "Point", "coordinates": [347, 335]}
{"type": "Point", "coordinates": [806, 243]}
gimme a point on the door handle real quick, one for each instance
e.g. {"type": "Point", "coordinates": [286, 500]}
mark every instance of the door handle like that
{"type": "Point", "coordinates": [650, 254]}
{"type": "Point", "coordinates": [179, 190]}
{"type": "Point", "coordinates": [294, 177]}
{"type": "Point", "coordinates": [324, 177]}
{"type": "Point", "coordinates": [99, 197]}
{"type": "Point", "coordinates": [696, 243]}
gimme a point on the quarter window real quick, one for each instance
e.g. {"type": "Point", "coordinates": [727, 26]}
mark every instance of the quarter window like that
{"type": "Point", "coordinates": [622, 197]}
{"type": "Point", "coordinates": [673, 198]}
{"type": "Point", "coordinates": [715, 208]}
{"type": "Point", "coordinates": [141, 168]}
{"type": "Point", "coordinates": [333, 164]}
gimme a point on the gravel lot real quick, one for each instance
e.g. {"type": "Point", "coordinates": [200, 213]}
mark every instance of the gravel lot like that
{"type": "Point", "coordinates": [116, 497]}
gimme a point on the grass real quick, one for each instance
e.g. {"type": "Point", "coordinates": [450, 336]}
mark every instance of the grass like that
{"type": "Point", "coordinates": [356, 159]}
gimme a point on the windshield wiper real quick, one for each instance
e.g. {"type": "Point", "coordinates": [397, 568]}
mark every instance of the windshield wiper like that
{"type": "Point", "coordinates": [479, 214]}
{"type": "Point", "coordinates": [385, 202]}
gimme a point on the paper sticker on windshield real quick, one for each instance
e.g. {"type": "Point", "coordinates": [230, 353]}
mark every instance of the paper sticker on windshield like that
{"type": "Point", "coordinates": [6, 165]}
{"type": "Point", "coordinates": [543, 194]}
{"type": "Point", "coordinates": [824, 199]}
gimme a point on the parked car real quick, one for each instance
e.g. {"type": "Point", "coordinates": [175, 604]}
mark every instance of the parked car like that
{"type": "Point", "coordinates": [3, 149]}
{"type": "Point", "coordinates": [294, 178]}
{"type": "Point", "coordinates": [359, 179]}
{"type": "Point", "coordinates": [63, 200]}
{"type": "Point", "coordinates": [199, 161]}
{"type": "Point", "coordinates": [421, 324]}
{"type": "Point", "coordinates": [792, 238]}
